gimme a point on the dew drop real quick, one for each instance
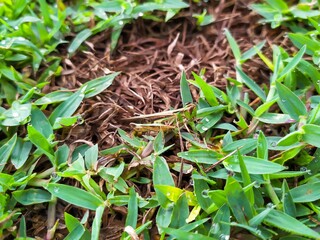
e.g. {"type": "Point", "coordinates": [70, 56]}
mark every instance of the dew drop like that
{"type": "Point", "coordinates": [140, 14]}
{"type": "Point", "coordinates": [270, 205]}
{"type": "Point", "coordinates": [16, 27]}
{"type": "Point", "coordinates": [283, 100]}
{"type": "Point", "coordinates": [15, 114]}
{"type": "Point", "coordinates": [256, 185]}
{"type": "Point", "coordinates": [273, 144]}
{"type": "Point", "coordinates": [303, 169]}
{"type": "Point", "coordinates": [56, 189]}
{"type": "Point", "coordinates": [204, 128]}
{"type": "Point", "coordinates": [191, 182]}
{"type": "Point", "coordinates": [224, 237]}
{"type": "Point", "coordinates": [120, 22]}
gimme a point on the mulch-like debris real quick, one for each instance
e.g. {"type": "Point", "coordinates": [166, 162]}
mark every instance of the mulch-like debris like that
{"type": "Point", "coordinates": [151, 57]}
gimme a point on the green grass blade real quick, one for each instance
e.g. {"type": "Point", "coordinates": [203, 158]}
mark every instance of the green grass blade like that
{"type": "Point", "coordinates": [40, 142]}
{"type": "Point", "coordinates": [99, 84]}
{"type": "Point", "coordinates": [185, 90]}
{"type": "Point", "coordinates": [96, 225]}
{"type": "Point", "coordinates": [292, 64]}
{"type": "Point", "coordinates": [251, 84]}
{"type": "Point", "coordinates": [246, 179]}
{"type": "Point", "coordinates": [78, 40]}
{"type": "Point", "coordinates": [68, 107]}
{"type": "Point", "coordinates": [132, 216]}
{"type": "Point", "coordinates": [289, 224]}
{"type": "Point", "coordinates": [238, 201]}
{"type": "Point", "coordinates": [234, 46]}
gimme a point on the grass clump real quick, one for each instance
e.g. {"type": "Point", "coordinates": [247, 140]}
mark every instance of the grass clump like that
{"type": "Point", "coordinates": [242, 180]}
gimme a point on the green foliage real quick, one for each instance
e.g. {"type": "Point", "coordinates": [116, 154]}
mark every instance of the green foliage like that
{"type": "Point", "coordinates": [240, 177]}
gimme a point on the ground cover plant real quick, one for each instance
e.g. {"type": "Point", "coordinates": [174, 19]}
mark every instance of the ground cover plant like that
{"type": "Point", "coordinates": [234, 162]}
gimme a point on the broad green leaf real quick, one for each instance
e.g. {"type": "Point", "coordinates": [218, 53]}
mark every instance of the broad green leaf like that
{"type": "Point", "coordinates": [245, 145]}
{"type": "Point", "coordinates": [158, 143]}
{"type": "Point", "coordinates": [40, 122]}
{"type": "Point", "coordinates": [134, 142]}
{"type": "Point", "coordinates": [251, 84]}
{"type": "Point", "coordinates": [15, 115]}
{"type": "Point", "coordinates": [306, 193]}
{"type": "Point", "coordinates": [275, 118]}
{"type": "Point", "coordinates": [6, 150]}
{"type": "Point", "coordinates": [32, 196]}
{"type": "Point", "coordinates": [132, 216]}
{"type": "Point", "coordinates": [174, 193]}
{"type": "Point", "coordinates": [181, 234]}
{"type": "Point", "coordinates": [161, 176]}
{"type": "Point", "coordinates": [287, 200]}
{"type": "Point", "coordinates": [208, 122]}
{"type": "Point", "coordinates": [200, 186]}
{"type": "Point", "coordinates": [20, 152]}
{"type": "Point", "coordinates": [221, 219]}
{"type": "Point", "coordinates": [278, 4]}
{"type": "Point", "coordinates": [238, 201]}
{"type": "Point", "coordinates": [205, 156]}
{"type": "Point", "coordinates": [289, 224]}
{"type": "Point", "coordinates": [68, 107]}
{"type": "Point", "coordinates": [180, 212]}
{"type": "Point", "coordinates": [78, 40]}
{"type": "Point", "coordinates": [233, 44]}
{"type": "Point", "coordinates": [290, 102]}
{"type": "Point", "coordinates": [66, 121]}
{"type": "Point", "coordinates": [75, 196]}
{"type": "Point", "coordinates": [164, 216]}
{"type": "Point", "coordinates": [91, 157]}
{"type": "Point", "coordinates": [185, 90]}
{"type": "Point", "coordinates": [53, 97]}
{"type": "Point", "coordinates": [311, 134]}
{"type": "Point", "coordinates": [254, 165]}
{"type": "Point", "coordinates": [299, 40]}
{"type": "Point", "coordinates": [40, 141]}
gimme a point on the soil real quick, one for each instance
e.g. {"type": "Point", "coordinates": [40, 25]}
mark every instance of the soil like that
{"type": "Point", "coordinates": [151, 57]}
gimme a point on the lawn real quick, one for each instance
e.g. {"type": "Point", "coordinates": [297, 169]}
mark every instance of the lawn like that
{"type": "Point", "coordinates": [159, 119]}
